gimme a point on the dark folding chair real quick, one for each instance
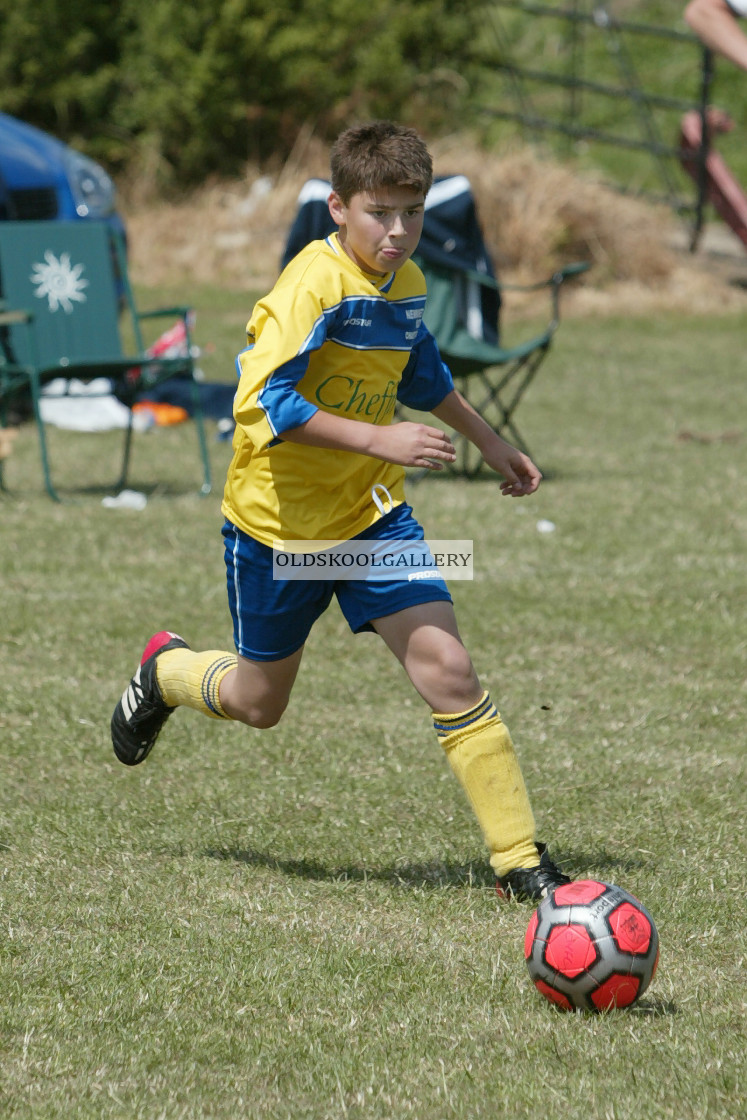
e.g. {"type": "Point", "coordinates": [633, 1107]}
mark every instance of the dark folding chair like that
{"type": "Point", "coordinates": [67, 305]}
{"type": "Point", "coordinates": [463, 306]}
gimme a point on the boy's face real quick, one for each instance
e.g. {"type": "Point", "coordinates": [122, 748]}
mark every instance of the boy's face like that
{"type": "Point", "coordinates": [379, 230]}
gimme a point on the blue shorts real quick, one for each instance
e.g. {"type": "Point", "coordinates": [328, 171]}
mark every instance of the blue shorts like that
{"type": "Point", "coordinates": [272, 618]}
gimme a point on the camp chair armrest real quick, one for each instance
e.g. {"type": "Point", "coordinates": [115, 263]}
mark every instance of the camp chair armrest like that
{"type": "Point", "coordinates": [554, 282]}
{"type": "Point", "coordinates": [567, 272]}
{"type": "Point", "coordinates": [182, 312]}
{"type": "Point", "coordinates": [11, 318]}
{"type": "Point", "coordinates": [575, 268]}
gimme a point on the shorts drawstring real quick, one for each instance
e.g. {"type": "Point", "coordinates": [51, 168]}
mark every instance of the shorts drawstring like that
{"type": "Point", "coordinates": [377, 500]}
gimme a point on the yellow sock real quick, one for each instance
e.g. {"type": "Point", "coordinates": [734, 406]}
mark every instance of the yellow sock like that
{"type": "Point", "coordinates": [193, 679]}
{"type": "Point", "coordinates": [481, 754]}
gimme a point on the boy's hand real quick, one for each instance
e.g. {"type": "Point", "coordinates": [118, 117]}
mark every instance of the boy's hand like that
{"type": "Point", "coordinates": [520, 475]}
{"type": "Point", "coordinates": [412, 445]}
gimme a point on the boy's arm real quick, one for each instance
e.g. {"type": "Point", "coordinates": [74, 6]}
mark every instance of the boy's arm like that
{"type": "Point", "coordinates": [409, 444]}
{"type": "Point", "coordinates": [715, 24]}
{"type": "Point", "coordinates": [520, 474]}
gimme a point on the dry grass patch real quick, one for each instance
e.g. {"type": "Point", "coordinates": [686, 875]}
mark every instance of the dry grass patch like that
{"type": "Point", "coordinates": [536, 213]}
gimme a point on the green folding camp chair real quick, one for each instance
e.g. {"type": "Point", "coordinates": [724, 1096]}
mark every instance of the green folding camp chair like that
{"type": "Point", "coordinates": [66, 307]}
{"type": "Point", "coordinates": [493, 378]}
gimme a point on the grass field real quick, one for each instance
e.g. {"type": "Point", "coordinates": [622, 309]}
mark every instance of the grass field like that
{"type": "Point", "coordinates": [300, 923]}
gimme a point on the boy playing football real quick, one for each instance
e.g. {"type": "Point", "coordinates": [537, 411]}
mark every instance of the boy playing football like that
{"type": "Point", "coordinates": [318, 456]}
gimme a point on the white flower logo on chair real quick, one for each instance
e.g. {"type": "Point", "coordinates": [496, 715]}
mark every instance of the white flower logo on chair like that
{"type": "Point", "coordinates": [59, 282]}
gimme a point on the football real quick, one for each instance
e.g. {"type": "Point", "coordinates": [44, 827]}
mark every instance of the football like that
{"type": "Point", "coordinates": [591, 946]}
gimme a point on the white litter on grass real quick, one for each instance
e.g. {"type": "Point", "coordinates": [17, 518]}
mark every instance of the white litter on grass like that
{"type": "Point", "coordinates": [544, 526]}
{"type": "Point", "coordinates": [126, 499]}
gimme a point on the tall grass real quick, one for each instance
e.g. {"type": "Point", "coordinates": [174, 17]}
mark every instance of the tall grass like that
{"type": "Point", "coordinates": [300, 923]}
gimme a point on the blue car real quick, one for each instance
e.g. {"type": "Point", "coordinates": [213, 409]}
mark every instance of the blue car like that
{"type": "Point", "coordinates": [42, 179]}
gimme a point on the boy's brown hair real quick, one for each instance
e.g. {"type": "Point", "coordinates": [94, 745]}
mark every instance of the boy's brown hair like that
{"type": "Point", "coordinates": [380, 154]}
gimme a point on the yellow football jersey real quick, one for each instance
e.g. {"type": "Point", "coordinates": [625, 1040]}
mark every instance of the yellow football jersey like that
{"type": "Point", "coordinates": [328, 336]}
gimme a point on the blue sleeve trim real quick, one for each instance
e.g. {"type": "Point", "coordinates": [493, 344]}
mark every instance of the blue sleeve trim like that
{"type": "Point", "coordinates": [282, 404]}
{"type": "Point", "coordinates": [426, 380]}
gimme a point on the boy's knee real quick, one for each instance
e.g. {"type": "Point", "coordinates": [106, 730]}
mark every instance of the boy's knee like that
{"type": "Point", "coordinates": [453, 683]}
{"type": "Point", "coordinates": [262, 715]}
{"type": "Point", "coordinates": [255, 697]}
{"type": "Point", "coordinates": [266, 719]}
{"type": "Point", "coordinates": [454, 663]}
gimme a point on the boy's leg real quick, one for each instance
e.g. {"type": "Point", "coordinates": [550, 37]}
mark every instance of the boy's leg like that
{"type": "Point", "coordinates": [257, 692]}
{"type": "Point", "coordinates": [213, 682]}
{"type": "Point", "coordinates": [426, 641]}
{"type": "Point", "coordinates": [271, 621]}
